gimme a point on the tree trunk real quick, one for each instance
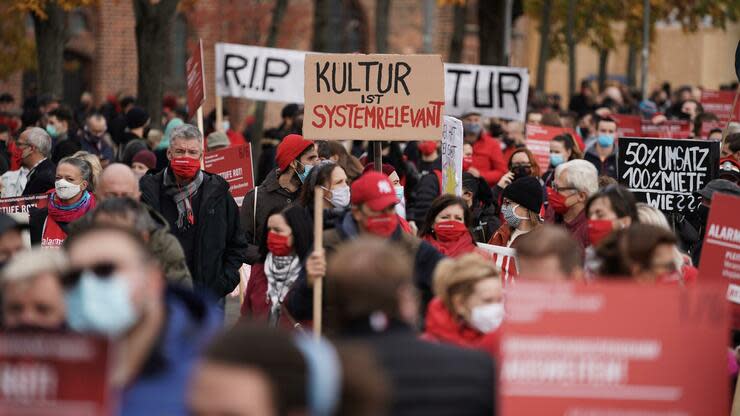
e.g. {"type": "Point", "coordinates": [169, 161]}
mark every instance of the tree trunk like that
{"type": "Point", "coordinates": [320, 41]}
{"type": "Point", "coordinates": [491, 15]}
{"type": "Point", "coordinates": [51, 36]}
{"type": "Point", "coordinates": [458, 34]}
{"type": "Point", "coordinates": [153, 23]}
{"type": "Point", "coordinates": [603, 61]}
{"type": "Point", "coordinates": [570, 40]}
{"type": "Point", "coordinates": [632, 66]}
{"type": "Point", "coordinates": [544, 55]}
{"type": "Point", "coordinates": [259, 112]}
{"type": "Point", "coordinates": [382, 15]}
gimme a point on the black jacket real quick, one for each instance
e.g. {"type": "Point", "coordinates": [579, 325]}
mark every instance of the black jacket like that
{"type": "Point", "coordinates": [36, 220]}
{"type": "Point", "coordinates": [606, 168]}
{"type": "Point", "coordinates": [270, 197]}
{"type": "Point", "coordinates": [41, 179]}
{"type": "Point", "coordinates": [219, 240]}
{"type": "Point", "coordinates": [426, 191]}
{"type": "Point", "coordinates": [428, 379]}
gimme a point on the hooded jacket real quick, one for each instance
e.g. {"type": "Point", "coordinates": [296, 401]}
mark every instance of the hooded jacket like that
{"type": "Point", "coordinates": [608, 167]}
{"type": "Point", "coordinates": [488, 158]}
{"type": "Point", "coordinates": [219, 243]}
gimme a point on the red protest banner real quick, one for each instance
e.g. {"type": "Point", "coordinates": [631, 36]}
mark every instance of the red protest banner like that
{"type": "Point", "coordinates": [708, 126]}
{"type": "Point", "coordinates": [54, 375]}
{"type": "Point", "coordinates": [538, 142]}
{"type": "Point", "coordinates": [196, 79]}
{"type": "Point", "coordinates": [627, 125]}
{"type": "Point", "coordinates": [720, 103]}
{"type": "Point", "coordinates": [671, 129]}
{"type": "Point", "coordinates": [235, 165]}
{"type": "Point", "coordinates": [614, 349]}
{"type": "Point", "coordinates": [22, 204]}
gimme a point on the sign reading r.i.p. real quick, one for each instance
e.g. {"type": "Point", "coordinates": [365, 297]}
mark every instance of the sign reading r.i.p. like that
{"type": "Point", "coordinates": [666, 172]}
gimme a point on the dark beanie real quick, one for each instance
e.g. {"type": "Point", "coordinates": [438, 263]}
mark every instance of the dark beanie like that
{"type": "Point", "coordinates": [136, 117]}
{"type": "Point", "coordinates": [527, 192]}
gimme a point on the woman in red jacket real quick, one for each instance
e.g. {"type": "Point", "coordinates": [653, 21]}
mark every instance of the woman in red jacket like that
{"type": "Point", "coordinates": [468, 306]}
{"type": "Point", "coordinates": [287, 244]}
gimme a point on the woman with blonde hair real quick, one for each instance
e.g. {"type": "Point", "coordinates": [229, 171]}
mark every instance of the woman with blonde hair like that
{"type": "Point", "coordinates": [468, 304]}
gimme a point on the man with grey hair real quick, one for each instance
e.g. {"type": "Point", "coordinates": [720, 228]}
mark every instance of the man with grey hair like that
{"type": "Point", "coordinates": [201, 213]}
{"type": "Point", "coordinates": [35, 147]}
{"type": "Point", "coordinates": [574, 183]}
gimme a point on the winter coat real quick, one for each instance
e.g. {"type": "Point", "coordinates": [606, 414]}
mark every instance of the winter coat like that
{"type": "Point", "coordinates": [489, 159]}
{"type": "Point", "coordinates": [427, 190]}
{"type": "Point", "coordinates": [167, 250]}
{"type": "Point", "coordinates": [607, 167]}
{"type": "Point", "coordinates": [41, 178]}
{"type": "Point", "coordinates": [219, 241]}
{"type": "Point", "coordinates": [256, 305]}
{"type": "Point", "coordinates": [160, 388]}
{"type": "Point", "coordinates": [426, 378]}
{"type": "Point", "coordinates": [300, 299]}
{"type": "Point", "coordinates": [485, 222]}
{"type": "Point", "coordinates": [270, 197]}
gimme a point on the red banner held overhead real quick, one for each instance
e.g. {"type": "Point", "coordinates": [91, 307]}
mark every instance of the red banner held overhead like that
{"type": "Point", "coordinates": [538, 142]}
{"type": "Point", "coordinates": [614, 349]}
{"type": "Point", "coordinates": [235, 165]}
{"type": "Point", "coordinates": [670, 129]}
{"type": "Point", "coordinates": [196, 79]}
{"type": "Point", "coordinates": [627, 125]}
{"type": "Point", "coordinates": [720, 104]}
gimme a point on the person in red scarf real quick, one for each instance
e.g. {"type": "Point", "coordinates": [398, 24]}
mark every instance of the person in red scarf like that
{"type": "Point", "coordinates": [468, 307]}
{"type": "Point", "coordinates": [446, 226]}
{"type": "Point", "coordinates": [70, 199]}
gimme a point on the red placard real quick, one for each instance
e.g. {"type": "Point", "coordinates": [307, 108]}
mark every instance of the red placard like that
{"type": "Point", "coordinates": [720, 103]}
{"type": "Point", "coordinates": [708, 126]}
{"type": "Point", "coordinates": [670, 129]}
{"type": "Point", "coordinates": [538, 142]}
{"type": "Point", "coordinates": [23, 204]}
{"type": "Point", "coordinates": [617, 348]}
{"type": "Point", "coordinates": [65, 375]}
{"type": "Point", "coordinates": [235, 165]}
{"type": "Point", "coordinates": [196, 79]}
{"type": "Point", "coordinates": [627, 125]}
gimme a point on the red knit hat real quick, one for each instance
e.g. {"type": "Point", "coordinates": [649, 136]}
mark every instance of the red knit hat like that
{"type": "Point", "coordinates": [290, 148]}
{"type": "Point", "coordinates": [374, 189]}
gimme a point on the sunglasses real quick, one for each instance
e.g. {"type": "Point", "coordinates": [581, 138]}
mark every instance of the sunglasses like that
{"type": "Point", "coordinates": [103, 270]}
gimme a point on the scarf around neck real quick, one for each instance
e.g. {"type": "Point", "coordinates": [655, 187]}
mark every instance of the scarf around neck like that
{"type": "Point", "coordinates": [281, 272]}
{"type": "Point", "coordinates": [463, 245]}
{"type": "Point", "coordinates": [182, 195]}
{"type": "Point", "coordinates": [60, 212]}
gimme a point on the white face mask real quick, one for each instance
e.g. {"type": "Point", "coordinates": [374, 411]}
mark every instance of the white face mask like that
{"type": "Point", "coordinates": [65, 189]}
{"type": "Point", "coordinates": [340, 197]}
{"type": "Point", "coordinates": [226, 125]}
{"type": "Point", "coordinates": [487, 318]}
{"type": "Point", "coordinates": [401, 205]}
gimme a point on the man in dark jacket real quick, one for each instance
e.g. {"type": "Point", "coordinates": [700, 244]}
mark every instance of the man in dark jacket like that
{"type": "Point", "coordinates": [201, 213]}
{"type": "Point", "coordinates": [602, 153]}
{"type": "Point", "coordinates": [368, 283]}
{"type": "Point", "coordinates": [133, 141]}
{"type": "Point", "coordinates": [35, 147]}
{"type": "Point", "coordinates": [296, 157]}
{"type": "Point", "coordinates": [373, 214]}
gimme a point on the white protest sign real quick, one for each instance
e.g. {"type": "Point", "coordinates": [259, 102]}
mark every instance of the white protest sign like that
{"type": "Point", "coordinates": [452, 156]}
{"type": "Point", "coordinates": [492, 91]}
{"type": "Point", "coordinates": [258, 73]}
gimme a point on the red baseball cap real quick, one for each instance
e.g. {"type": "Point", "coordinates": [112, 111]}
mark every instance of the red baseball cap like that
{"type": "Point", "coordinates": [290, 148]}
{"type": "Point", "coordinates": [375, 190]}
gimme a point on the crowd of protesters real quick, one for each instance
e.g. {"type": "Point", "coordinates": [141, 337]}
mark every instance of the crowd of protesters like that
{"type": "Point", "coordinates": [138, 243]}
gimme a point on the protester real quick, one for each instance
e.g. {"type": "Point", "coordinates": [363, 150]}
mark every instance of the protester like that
{"type": "Point", "coordinates": [522, 202]}
{"type": "Point", "coordinates": [513, 138]}
{"type": "Point", "coordinates": [94, 161]}
{"type": "Point", "coordinates": [430, 158]}
{"type": "Point", "coordinates": [33, 298]}
{"type": "Point", "coordinates": [468, 304]}
{"type": "Point", "coordinates": [117, 290]}
{"type": "Point", "coordinates": [521, 164]}
{"type": "Point", "coordinates": [337, 153]}
{"type": "Point", "coordinates": [60, 127]}
{"type": "Point", "coordinates": [447, 227]}
{"type": "Point", "coordinates": [296, 157]}
{"type": "Point", "coordinates": [426, 379]}
{"type": "Point", "coordinates": [200, 212]}
{"type": "Point", "coordinates": [11, 238]}
{"type": "Point", "coordinates": [372, 214]}
{"type": "Point", "coordinates": [488, 159]}
{"type": "Point", "coordinates": [694, 225]}
{"type": "Point", "coordinates": [134, 140]}
{"type": "Point", "coordinates": [398, 188]}
{"type": "Point", "coordinates": [335, 186]}
{"type": "Point", "coordinates": [549, 253]}
{"type": "Point", "coordinates": [602, 152]}
{"type": "Point", "coordinates": [143, 162]}
{"type": "Point", "coordinates": [731, 147]}
{"type": "Point", "coordinates": [563, 148]}
{"type": "Point", "coordinates": [235, 138]}
{"type": "Point", "coordinates": [71, 199]}
{"type": "Point", "coordinates": [610, 208]}
{"type": "Point", "coordinates": [292, 123]}
{"type": "Point", "coordinates": [479, 199]}
{"type": "Point", "coordinates": [286, 247]}
{"type": "Point", "coordinates": [217, 140]}
{"type": "Point", "coordinates": [95, 141]}
{"type": "Point", "coordinates": [408, 176]}
{"type": "Point", "coordinates": [574, 183]}
{"type": "Point", "coordinates": [34, 145]}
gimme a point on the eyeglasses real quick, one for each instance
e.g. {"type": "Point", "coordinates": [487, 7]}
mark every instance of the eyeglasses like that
{"type": "Point", "coordinates": [564, 188]}
{"type": "Point", "coordinates": [103, 270]}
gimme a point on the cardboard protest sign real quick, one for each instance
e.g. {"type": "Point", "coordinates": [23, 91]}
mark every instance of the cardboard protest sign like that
{"type": "Point", "coordinates": [614, 349]}
{"type": "Point", "coordinates": [720, 252]}
{"type": "Point", "coordinates": [54, 374]}
{"type": "Point", "coordinates": [720, 104]}
{"type": "Point", "coordinates": [452, 156]}
{"type": "Point", "coordinates": [235, 165]}
{"type": "Point", "coordinates": [196, 79]}
{"type": "Point", "coordinates": [664, 172]}
{"type": "Point", "coordinates": [492, 91]}
{"type": "Point", "coordinates": [538, 142]}
{"type": "Point", "coordinates": [672, 129]}
{"type": "Point", "coordinates": [257, 73]}
{"type": "Point", "coordinates": [373, 97]}
{"type": "Point", "coordinates": [628, 125]}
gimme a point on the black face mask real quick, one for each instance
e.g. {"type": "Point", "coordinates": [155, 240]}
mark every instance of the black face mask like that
{"type": "Point", "coordinates": [521, 171]}
{"type": "Point", "coordinates": [508, 141]}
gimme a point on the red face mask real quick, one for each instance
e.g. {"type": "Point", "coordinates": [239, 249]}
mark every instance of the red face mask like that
{"type": "Point", "coordinates": [16, 156]}
{"type": "Point", "coordinates": [598, 230]}
{"type": "Point", "coordinates": [185, 167]}
{"type": "Point", "coordinates": [278, 244]}
{"type": "Point", "coordinates": [449, 230]}
{"type": "Point", "coordinates": [467, 163]}
{"type": "Point", "coordinates": [427, 148]}
{"type": "Point", "coordinates": [556, 201]}
{"type": "Point", "coordinates": [382, 225]}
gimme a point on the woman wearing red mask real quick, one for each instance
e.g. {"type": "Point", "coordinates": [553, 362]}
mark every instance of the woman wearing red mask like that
{"type": "Point", "coordinates": [446, 227]}
{"type": "Point", "coordinates": [611, 208]}
{"type": "Point", "coordinates": [287, 242]}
